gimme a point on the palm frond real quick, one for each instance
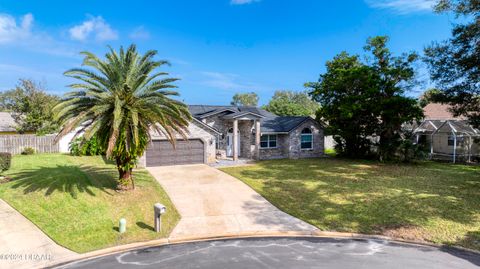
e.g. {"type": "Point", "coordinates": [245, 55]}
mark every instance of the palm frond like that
{"type": "Point", "coordinates": [121, 98]}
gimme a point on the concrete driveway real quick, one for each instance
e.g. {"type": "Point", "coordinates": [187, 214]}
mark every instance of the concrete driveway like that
{"type": "Point", "coordinates": [24, 245]}
{"type": "Point", "coordinates": [213, 203]}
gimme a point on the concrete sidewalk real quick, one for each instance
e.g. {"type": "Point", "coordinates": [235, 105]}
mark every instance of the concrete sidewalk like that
{"type": "Point", "coordinates": [211, 203]}
{"type": "Point", "coordinates": [214, 203]}
{"type": "Point", "coordinates": [24, 245]}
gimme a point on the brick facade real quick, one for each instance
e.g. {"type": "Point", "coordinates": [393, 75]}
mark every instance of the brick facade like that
{"type": "Point", "coordinates": [245, 128]}
{"type": "Point", "coordinates": [280, 152]}
{"type": "Point", "coordinates": [295, 151]}
{"type": "Point", "coordinates": [247, 139]}
{"type": "Point", "coordinates": [288, 144]}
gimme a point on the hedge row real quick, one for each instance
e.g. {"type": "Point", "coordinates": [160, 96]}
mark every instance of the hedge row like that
{"type": "Point", "coordinates": [5, 161]}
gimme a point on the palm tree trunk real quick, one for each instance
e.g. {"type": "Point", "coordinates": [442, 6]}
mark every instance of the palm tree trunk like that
{"type": "Point", "coordinates": [125, 179]}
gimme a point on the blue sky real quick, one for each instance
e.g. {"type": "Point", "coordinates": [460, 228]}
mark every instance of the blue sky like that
{"type": "Point", "coordinates": [216, 47]}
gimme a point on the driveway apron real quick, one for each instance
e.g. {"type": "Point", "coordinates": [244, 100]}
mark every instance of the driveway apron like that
{"type": "Point", "coordinates": [213, 203]}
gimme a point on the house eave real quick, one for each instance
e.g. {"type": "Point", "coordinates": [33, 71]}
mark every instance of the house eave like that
{"type": "Point", "coordinates": [209, 114]}
{"type": "Point", "coordinates": [206, 126]}
{"type": "Point", "coordinates": [240, 115]}
{"type": "Point", "coordinates": [303, 121]}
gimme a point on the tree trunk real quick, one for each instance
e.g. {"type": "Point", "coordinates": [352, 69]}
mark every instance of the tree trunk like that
{"type": "Point", "coordinates": [387, 145]}
{"type": "Point", "coordinates": [125, 179]}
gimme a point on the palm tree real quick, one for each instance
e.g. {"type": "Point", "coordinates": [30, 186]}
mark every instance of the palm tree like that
{"type": "Point", "coordinates": [119, 100]}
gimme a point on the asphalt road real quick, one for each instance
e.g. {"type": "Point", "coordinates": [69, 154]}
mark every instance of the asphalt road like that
{"type": "Point", "coordinates": [288, 253]}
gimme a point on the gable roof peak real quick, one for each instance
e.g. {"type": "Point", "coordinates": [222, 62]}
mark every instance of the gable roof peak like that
{"type": "Point", "coordinates": [438, 111]}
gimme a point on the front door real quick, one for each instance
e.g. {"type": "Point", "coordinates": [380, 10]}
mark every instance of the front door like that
{"type": "Point", "coordinates": [230, 144]}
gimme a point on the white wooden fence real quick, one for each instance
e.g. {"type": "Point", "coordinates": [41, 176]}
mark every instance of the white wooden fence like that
{"type": "Point", "coordinates": [15, 144]}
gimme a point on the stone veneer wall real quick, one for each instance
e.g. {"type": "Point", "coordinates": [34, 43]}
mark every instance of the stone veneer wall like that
{"type": "Point", "coordinates": [246, 141]}
{"type": "Point", "coordinates": [196, 130]}
{"type": "Point", "coordinates": [221, 126]}
{"type": "Point", "coordinates": [295, 152]}
{"type": "Point", "coordinates": [279, 152]}
{"type": "Point", "coordinates": [244, 126]}
{"type": "Point", "coordinates": [288, 145]}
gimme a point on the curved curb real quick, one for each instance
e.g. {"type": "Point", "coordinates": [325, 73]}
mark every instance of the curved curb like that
{"type": "Point", "coordinates": [190, 239]}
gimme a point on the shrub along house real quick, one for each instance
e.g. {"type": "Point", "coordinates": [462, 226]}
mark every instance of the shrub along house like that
{"type": "Point", "coordinates": [232, 132]}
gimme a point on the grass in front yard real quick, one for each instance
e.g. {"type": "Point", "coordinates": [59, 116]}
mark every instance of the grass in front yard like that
{"type": "Point", "coordinates": [430, 201]}
{"type": "Point", "coordinates": [73, 200]}
{"type": "Point", "coordinates": [331, 152]}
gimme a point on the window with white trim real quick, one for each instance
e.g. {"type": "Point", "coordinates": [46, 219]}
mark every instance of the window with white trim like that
{"type": "Point", "coordinates": [268, 141]}
{"type": "Point", "coordinates": [306, 139]}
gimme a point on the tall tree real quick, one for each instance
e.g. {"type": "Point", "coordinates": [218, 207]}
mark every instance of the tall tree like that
{"type": "Point", "coordinates": [454, 64]}
{"type": "Point", "coordinates": [361, 100]}
{"type": "Point", "coordinates": [245, 99]}
{"type": "Point", "coordinates": [346, 93]}
{"type": "Point", "coordinates": [395, 75]}
{"type": "Point", "coordinates": [290, 103]}
{"type": "Point", "coordinates": [31, 107]}
{"type": "Point", "coordinates": [432, 95]}
{"type": "Point", "coordinates": [120, 99]}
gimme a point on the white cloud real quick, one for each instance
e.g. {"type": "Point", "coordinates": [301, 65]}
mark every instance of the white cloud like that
{"type": "Point", "coordinates": [27, 21]}
{"type": "Point", "coordinates": [226, 81]}
{"type": "Point", "coordinates": [402, 6]}
{"type": "Point", "coordinates": [242, 2]}
{"type": "Point", "coordinates": [10, 31]}
{"type": "Point", "coordinates": [20, 33]}
{"type": "Point", "coordinates": [140, 33]}
{"type": "Point", "coordinates": [95, 27]}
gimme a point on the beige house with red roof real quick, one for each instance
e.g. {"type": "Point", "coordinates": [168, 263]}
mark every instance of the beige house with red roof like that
{"type": "Point", "coordinates": [447, 137]}
{"type": "Point", "coordinates": [436, 111]}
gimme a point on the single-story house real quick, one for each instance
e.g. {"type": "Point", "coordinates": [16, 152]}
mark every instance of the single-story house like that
{"type": "Point", "coordinates": [445, 136]}
{"type": "Point", "coordinates": [232, 132]}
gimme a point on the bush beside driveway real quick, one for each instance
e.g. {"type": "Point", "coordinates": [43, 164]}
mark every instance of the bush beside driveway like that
{"type": "Point", "coordinates": [431, 202]}
{"type": "Point", "coordinates": [73, 200]}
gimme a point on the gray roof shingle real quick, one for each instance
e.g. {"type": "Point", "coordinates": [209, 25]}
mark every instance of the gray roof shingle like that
{"type": "Point", "coordinates": [446, 126]}
{"type": "Point", "coordinates": [281, 124]}
{"type": "Point", "coordinates": [270, 123]}
{"type": "Point", "coordinates": [199, 111]}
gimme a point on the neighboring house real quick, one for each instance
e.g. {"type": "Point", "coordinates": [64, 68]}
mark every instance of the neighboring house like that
{"type": "Point", "coordinates": [445, 136]}
{"type": "Point", "coordinates": [7, 124]}
{"type": "Point", "coordinates": [231, 132]}
{"type": "Point", "coordinates": [15, 143]}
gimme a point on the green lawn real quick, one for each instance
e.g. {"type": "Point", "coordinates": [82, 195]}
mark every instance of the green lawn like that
{"type": "Point", "coordinates": [72, 199]}
{"type": "Point", "coordinates": [432, 202]}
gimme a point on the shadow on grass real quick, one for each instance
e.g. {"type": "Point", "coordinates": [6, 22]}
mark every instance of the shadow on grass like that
{"type": "Point", "coordinates": [471, 239]}
{"type": "Point", "coordinates": [145, 226]}
{"type": "Point", "coordinates": [370, 197]}
{"type": "Point", "coordinates": [65, 178]}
